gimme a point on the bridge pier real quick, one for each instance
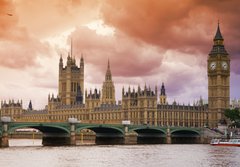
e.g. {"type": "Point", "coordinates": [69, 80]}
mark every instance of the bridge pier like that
{"type": "Point", "coordinates": [60, 139]}
{"type": "Point", "coordinates": [72, 135]}
{"type": "Point", "coordinates": [4, 138]}
{"type": "Point", "coordinates": [168, 137]}
{"type": "Point", "coordinates": [130, 138]}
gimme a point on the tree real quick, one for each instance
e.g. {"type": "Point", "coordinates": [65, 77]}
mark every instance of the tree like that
{"type": "Point", "coordinates": [233, 115]}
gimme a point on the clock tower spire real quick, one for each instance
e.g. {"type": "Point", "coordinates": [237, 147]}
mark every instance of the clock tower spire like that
{"type": "Point", "coordinates": [218, 80]}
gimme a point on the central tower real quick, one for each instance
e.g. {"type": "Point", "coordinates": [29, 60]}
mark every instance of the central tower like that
{"type": "Point", "coordinates": [218, 80]}
{"type": "Point", "coordinates": [108, 89]}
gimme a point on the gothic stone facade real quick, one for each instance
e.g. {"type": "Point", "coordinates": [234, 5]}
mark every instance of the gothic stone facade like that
{"type": "Point", "coordinates": [140, 106]}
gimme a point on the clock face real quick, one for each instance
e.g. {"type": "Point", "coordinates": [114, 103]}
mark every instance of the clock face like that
{"type": "Point", "coordinates": [213, 65]}
{"type": "Point", "coordinates": [224, 65]}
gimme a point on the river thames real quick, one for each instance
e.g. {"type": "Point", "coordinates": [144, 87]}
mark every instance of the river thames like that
{"type": "Point", "coordinates": [20, 154]}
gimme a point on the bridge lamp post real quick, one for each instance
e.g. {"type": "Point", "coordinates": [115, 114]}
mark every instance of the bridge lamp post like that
{"type": "Point", "coordinates": [5, 121]}
{"type": "Point", "coordinates": [72, 122]}
{"type": "Point", "coordinates": [125, 123]}
{"type": "Point", "coordinates": [4, 139]}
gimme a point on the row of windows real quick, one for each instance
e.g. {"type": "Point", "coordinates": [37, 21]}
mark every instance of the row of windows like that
{"type": "Point", "coordinates": [107, 116]}
{"type": "Point", "coordinates": [182, 115]}
{"type": "Point", "coordinates": [96, 116]}
{"type": "Point", "coordinates": [135, 103]}
{"type": "Point", "coordinates": [74, 86]}
{"type": "Point", "coordinates": [182, 124]}
{"type": "Point", "coordinates": [11, 112]}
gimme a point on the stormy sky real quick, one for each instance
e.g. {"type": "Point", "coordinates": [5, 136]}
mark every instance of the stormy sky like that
{"type": "Point", "coordinates": [146, 41]}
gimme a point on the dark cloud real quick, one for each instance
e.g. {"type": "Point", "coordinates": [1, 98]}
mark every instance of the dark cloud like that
{"type": "Point", "coordinates": [187, 26]}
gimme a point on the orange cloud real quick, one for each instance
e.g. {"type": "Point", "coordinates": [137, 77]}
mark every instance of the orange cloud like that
{"type": "Point", "coordinates": [161, 23]}
{"type": "Point", "coordinates": [47, 18]}
{"type": "Point", "coordinates": [146, 32]}
{"type": "Point", "coordinates": [18, 48]}
{"type": "Point", "coordinates": [8, 18]}
{"type": "Point", "coordinates": [187, 26]}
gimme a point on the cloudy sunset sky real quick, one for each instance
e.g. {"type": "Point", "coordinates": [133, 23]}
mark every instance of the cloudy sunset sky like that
{"type": "Point", "coordinates": [146, 41]}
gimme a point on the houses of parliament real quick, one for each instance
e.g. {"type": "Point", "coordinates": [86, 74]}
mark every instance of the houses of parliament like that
{"type": "Point", "coordinates": [141, 106]}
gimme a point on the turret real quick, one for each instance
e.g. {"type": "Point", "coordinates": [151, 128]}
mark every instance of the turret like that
{"type": "Point", "coordinates": [85, 93]}
{"type": "Point", "coordinates": [82, 62]}
{"type": "Point", "coordinates": [123, 91]}
{"type": "Point", "coordinates": [163, 97]}
{"type": "Point", "coordinates": [163, 90]}
{"type": "Point", "coordinates": [30, 105]}
{"type": "Point", "coordinates": [139, 90]}
{"type": "Point", "coordinates": [145, 89]}
{"type": "Point", "coordinates": [201, 101]}
{"type": "Point", "coordinates": [108, 76]}
{"type": "Point", "coordinates": [60, 62]}
{"type": "Point", "coordinates": [69, 62]}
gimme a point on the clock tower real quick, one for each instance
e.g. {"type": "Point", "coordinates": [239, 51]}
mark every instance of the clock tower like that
{"type": "Point", "coordinates": [218, 80]}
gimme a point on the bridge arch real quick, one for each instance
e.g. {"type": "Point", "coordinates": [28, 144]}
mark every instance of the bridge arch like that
{"type": "Point", "coordinates": [41, 127]}
{"type": "Point", "coordinates": [105, 134]}
{"type": "Point", "coordinates": [101, 129]}
{"type": "Point", "coordinates": [53, 134]}
{"type": "Point", "coordinates": [148, 130]}
{"type": "Point", "coordinates": [185, 136]}
{"type": "Point", "coordinates": [149, 135]}
{"type": "Point", "coordinates": [189, 132]}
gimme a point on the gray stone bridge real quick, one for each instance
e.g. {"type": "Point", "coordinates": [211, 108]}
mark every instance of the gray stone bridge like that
{"type": "Point", "coordinates": [64, 133]}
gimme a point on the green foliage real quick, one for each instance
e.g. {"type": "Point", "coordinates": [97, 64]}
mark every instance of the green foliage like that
{"type": "Point", "coordinates": [233, 115]}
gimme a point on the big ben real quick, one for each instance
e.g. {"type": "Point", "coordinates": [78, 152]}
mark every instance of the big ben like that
{"type": "Point", "coordinates": [218, 80]}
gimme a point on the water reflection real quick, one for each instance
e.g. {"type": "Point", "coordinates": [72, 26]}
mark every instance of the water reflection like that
{"type": "Point", "coordinates": [25, 142]}
{"type": "Point", "coordinates": [118, 155]}
{"type": "Point", "coordinates": [224, 156]}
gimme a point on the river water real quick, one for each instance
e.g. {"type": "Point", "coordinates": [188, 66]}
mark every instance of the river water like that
{"type": "Point", "coordinates": [20, 154]}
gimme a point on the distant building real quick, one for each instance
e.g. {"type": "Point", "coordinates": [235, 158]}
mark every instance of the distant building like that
{"type": "Point", "coordinates": [235, 103]}
{"type": "Point", "coordinates": [11, 109]}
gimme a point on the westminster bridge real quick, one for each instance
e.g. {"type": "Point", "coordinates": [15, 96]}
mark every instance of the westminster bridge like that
{"type": "Point", "coordinates": [64, 133]}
